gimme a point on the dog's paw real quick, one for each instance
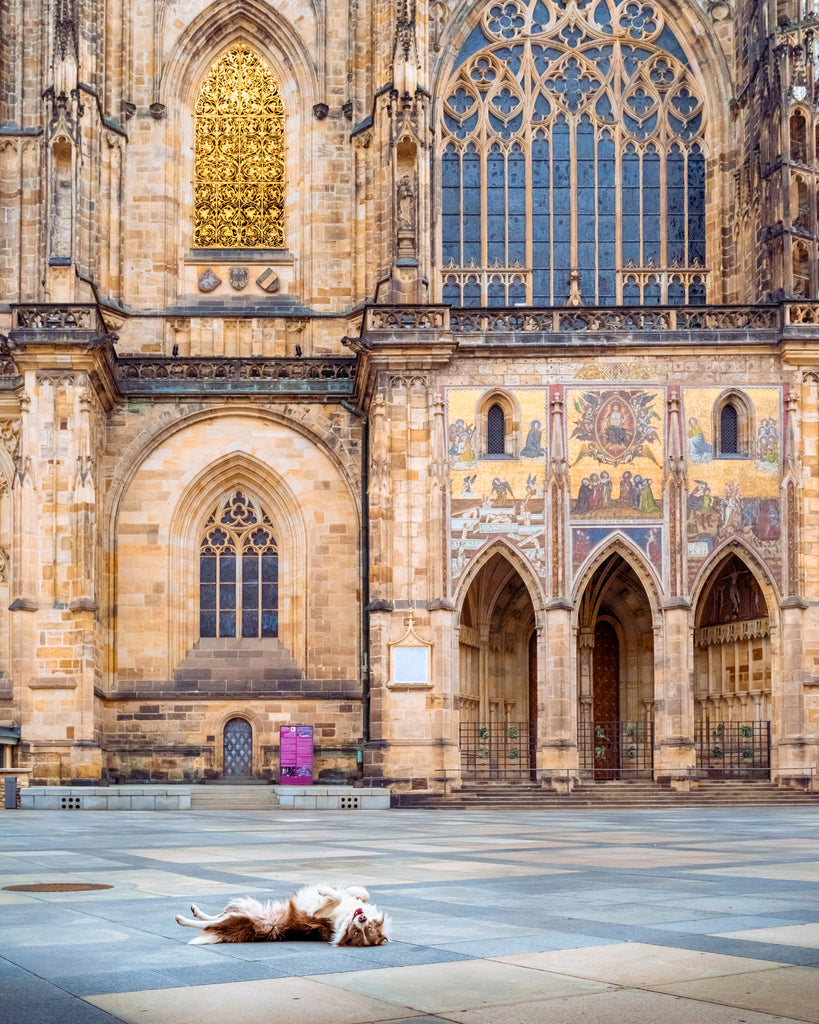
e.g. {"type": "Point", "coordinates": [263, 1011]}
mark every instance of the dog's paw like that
{"type": "Point", "coordinates": [358, 892]}
{"type": "Point", "coordinates": [327, 894]}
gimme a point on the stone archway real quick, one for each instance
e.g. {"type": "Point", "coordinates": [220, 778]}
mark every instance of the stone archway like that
{"type": "Point", "coordinates": [732, 673]}
{"type": "Point", "coordinates": [616, 674]}
{"type": "Point", "coordinates": [498, 680]}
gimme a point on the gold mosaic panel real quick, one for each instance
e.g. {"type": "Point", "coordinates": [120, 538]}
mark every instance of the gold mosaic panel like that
{"type": "Point", "coordinates": [615, 444]}
{"type": "Point", "coordinates": [736, 497]}
{"type": "Point", "coordinates": [239, 174]}
{"type": "Point", "coordinates": [496, 497]}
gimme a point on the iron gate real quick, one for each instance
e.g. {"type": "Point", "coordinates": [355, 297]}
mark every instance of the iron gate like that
{"type": "Point", "coordinates": [734, 748]}
{"type": "Point", "coordinates": [612, 750]}
{"type": "Point", "coordinates": [497, 750]}
{"type": "Point", "coordinates": [238, 747]}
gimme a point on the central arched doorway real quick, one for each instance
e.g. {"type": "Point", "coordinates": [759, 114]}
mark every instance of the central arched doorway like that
{"type": "Point", "coordinates": [615, 674]}
{"type": "Point", "coordinates": [497, 690]}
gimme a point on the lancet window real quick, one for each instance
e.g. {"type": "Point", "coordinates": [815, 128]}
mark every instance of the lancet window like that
{"type": "Point", "coordinates": [238, 571]}
{"type": "Point", "coordinates": [572, 159]}
{"type": "Point", "coordinates": [239, 167]}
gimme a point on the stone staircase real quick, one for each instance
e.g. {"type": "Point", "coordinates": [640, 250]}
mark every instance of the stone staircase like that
{"type": "Point", "coordinates": [642, 794]}
{"type": "Point", "coordinates": [225, 664]}
{"type": "Point", "coordinates": [223, 796]}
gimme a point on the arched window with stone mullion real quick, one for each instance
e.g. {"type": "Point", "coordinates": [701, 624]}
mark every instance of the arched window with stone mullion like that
{"type": "Point", "coordinates": [572, 145]}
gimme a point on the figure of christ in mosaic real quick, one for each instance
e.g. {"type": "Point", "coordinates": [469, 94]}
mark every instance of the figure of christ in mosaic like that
{"type": "Point", "coordinates": [615, 453]}
{"type": "Point", "coordinates": [496, 497]}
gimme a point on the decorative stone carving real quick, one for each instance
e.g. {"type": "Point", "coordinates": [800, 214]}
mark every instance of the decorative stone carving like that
{"type": "Point", "coordinates": [268, 281]}
{"type": "Point", "coordinates": [208, 280]}
{"type": "Point", "coordinates": [238, 277]}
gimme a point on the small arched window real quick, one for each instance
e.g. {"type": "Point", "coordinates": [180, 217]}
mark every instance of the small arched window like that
{"type": "Point", "coordinates": [238, 572]}
{"type": "Point", "coordinates": [729, 430]}
{"type": "Point", "coordinates": [239, 156]}
{"type": "Point", "coordinates": [495, 430]}
{"type": "Point", "coordinates": [733, 425]}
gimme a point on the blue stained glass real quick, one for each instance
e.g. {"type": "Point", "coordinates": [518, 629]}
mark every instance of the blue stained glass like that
{"type": "Point", "coordinates": [651, 292]}
{"type": "Point", "coordinates": [270, 568]}
{"type": "Point", "coordinates": [450, 169]}
{"type": "Point", "coordinates": [631, 293]}
{"type": "Point", "coordinates": [227, 568]}
{"type": "Point", "coordinates": [631, 206]}
{"type": "Point", "coordinates": [497, 295]}
{"type": "Point", "coordinates": [651, 207]}
{"type": "Point", "coordinates": [250, 622]}
{"type": "Point", "coordinates": [227, 623]}
{"type": "Point", "coordinates": [250, 569]}
{"type": "Point", "coordinates": [207, 595]}
{"type": "Point", "coordinates": [696, 292]}
{"type": "Point", "coordinates": [475, 41]}
{"type": "Point", "coordinates": [517, 292]}
{"type": "Point", "coordinates": [696, 208]}
{"type": "Point", "coordinates": [666, 40]}
{"type": "Point", "coordinates": [675, 205]}
{"type": "Point", "coordinates": [270, 623]}
{"type": "Point", "coordinates": [676, 292]}
{"type": "Point", "coordinates": [227, 595]}
{"type": "Point", "coordinates": [495, 169]}
{"type": "Point", "coordinates": [207, 569]}
{"type": "Point", "coordinates": [207, 623]}
{"type": "Point", "coordinates": [602, 17]}
{"type": "Point", "coordinates": [451, 292]}
{"type": "Point", "coordinates": [511, 57]}
{"type": "Point", "coordinates": [472, 292]}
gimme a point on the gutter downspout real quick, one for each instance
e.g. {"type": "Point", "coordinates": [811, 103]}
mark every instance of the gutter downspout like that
{"type": "Point", "coordinates": [357, 411]}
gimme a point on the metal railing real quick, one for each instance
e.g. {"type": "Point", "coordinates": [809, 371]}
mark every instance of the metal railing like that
{"type": "Point", "coordinates": [497, 750]}
{"type": "Point", "coordinates": [733, 748]}
{"type": "Point", "coordinates": [610, 748]}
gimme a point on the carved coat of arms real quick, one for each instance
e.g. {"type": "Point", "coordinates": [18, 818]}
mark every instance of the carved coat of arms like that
{"type": "Point", "coordinates": [238, 277]}
{"type": "Point", "coordinates": [616, 426]}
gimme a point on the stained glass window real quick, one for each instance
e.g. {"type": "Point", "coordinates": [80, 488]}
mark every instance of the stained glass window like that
{"type": "Point", "coordinates": [572, 142]}
{"type": "Point", "coordinates": [239, 156]}
{"type": "Point", "coordinates": [238, 571]}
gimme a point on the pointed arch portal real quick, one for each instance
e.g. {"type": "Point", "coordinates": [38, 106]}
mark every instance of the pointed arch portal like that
{"type": "Point", "coordinates": [732, 673]}
{"type": "Point", "coordinates": [498, 675]}
{"type": "Point", "coordinates": [616, 673]}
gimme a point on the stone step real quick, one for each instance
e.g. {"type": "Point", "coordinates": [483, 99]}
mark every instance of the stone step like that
{"type": "Point", "coordinates": [227, 797]}
{"type": "Point", "coordinates": [635, 795]}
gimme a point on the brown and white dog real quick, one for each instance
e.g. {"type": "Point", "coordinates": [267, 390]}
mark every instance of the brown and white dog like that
{"type": "Point", "coordinates": [322, 914]}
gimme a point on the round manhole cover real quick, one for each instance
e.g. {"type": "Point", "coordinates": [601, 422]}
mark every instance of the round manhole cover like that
{"type": "Point", "coordinates": [56, 887]}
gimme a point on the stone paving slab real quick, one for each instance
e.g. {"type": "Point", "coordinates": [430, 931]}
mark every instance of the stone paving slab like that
{"type": "Point", "coordinates": [571, 917]}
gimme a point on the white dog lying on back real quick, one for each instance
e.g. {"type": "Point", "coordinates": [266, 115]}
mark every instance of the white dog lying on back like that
{"type": "Point", "coordinates": [323, 914]}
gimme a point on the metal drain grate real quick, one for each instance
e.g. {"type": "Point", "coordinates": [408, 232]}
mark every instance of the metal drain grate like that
{"type": "Point", "coordinates": [55, 887]}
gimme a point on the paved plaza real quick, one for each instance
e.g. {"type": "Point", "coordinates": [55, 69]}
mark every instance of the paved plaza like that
{"type": "Point", "coordinates": [524, 917]}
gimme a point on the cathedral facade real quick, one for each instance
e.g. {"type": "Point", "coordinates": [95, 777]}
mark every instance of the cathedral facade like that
{"type": "Point", "coordinates": [439, 375]}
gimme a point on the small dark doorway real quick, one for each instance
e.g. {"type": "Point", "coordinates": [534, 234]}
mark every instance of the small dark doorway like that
{"type": "Point", "coordinates": [238, 748]}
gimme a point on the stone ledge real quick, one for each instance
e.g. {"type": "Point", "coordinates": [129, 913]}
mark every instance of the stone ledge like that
{"type": "Point", "coordinates": [333, 798]}
{"type": "Point", "coordinates": [105, 798]}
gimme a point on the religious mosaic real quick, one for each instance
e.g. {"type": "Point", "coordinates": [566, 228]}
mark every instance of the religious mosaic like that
{"type": "Point", "coordinates": [648, 539]}
{"type": "Point", "coordinates": [615, 446]}
{"type": "Point", "coordinates": [499, 496]}
{"type": "Point", "coordinates": [734, 494]}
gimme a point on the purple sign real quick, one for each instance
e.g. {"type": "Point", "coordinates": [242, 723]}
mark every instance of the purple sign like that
{"type": "Point", "coordinates": [296, 755]}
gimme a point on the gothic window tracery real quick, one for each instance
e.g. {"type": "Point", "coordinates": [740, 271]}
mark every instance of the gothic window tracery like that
{"type": "Point", "coordinates": [238, 571]}
{"type": "Point", "coordinates": [239, 170]}
{"type": "Point", "coordinates": [572, 143]}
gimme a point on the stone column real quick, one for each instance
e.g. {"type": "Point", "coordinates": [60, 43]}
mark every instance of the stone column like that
{"type": "Point", "coordinates": [674, 753]}
{"type": "Point", "coordinates": [557, 755]}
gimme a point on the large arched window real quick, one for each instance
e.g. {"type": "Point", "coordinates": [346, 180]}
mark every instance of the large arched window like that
{"type": "Point", "coordinates": [238, 571]}
{"type": "Point", "coordinates": [239, 156]}
{"type": "Point", "coordinates": [572, 159]}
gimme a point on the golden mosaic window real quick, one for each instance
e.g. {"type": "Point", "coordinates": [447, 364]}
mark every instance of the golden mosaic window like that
{"type": "Point", "coordinates": [572, 159]}
{"type": "Point", "coordinates": [239, 156]}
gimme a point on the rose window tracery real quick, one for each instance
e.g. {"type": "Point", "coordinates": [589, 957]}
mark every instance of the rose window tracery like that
{"type": "Point", "coordinates": [239, 156]}
{"type": "Point", "coordinates": [572, 159]}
